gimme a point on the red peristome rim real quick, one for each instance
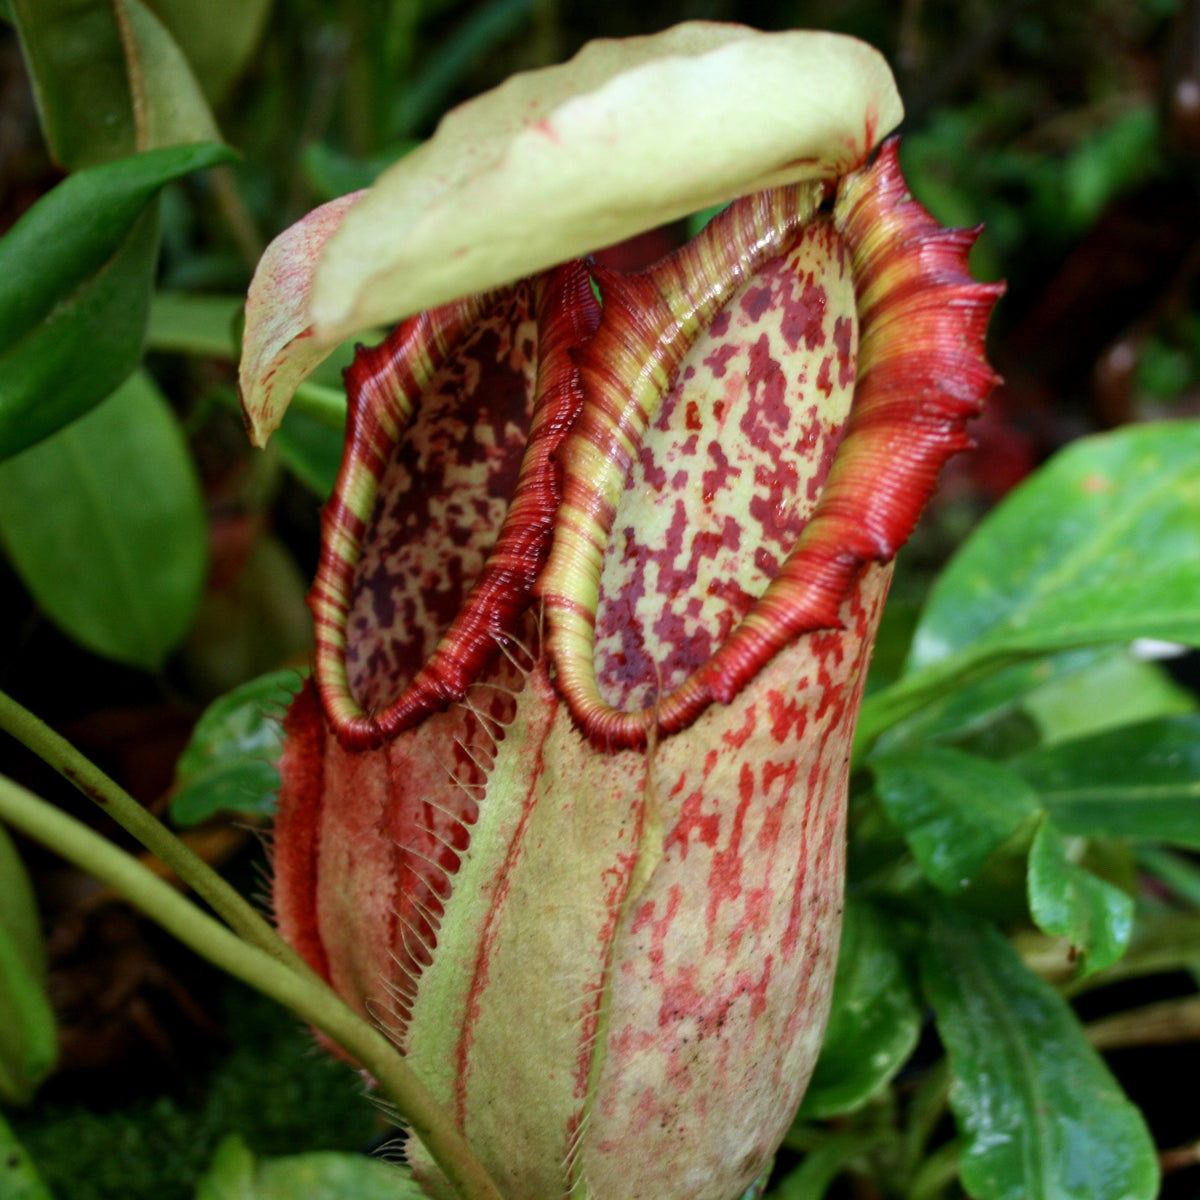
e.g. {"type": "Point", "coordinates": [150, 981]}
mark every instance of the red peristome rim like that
{"type": "Point", "coordinates": [384, 385]}
{"type": "Point", "coordinates": [922, 375]}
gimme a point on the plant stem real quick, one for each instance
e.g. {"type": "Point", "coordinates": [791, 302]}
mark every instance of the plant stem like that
{"type": "Point", "coordinates": [324, 404]}
{"type": "Point", "coordinates": [133, 817]}
{"type": "Point", "coordinates": [303, 993]}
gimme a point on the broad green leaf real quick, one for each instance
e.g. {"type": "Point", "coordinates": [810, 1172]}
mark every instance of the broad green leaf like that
{"type": "Point", "coordinates": [1141, 781]}
{"type": "Point", "coordinates": [954, 809]}
{"type": "Point", "coordinates": [28, 1042]}
{"type": "Point", "coordinates": [1039, 1114]}
{"type": "Point", "coordinates": [1067, 900]}
{"type": "Point", "coordinates": [875, 1019]}
{"type": "Point", "coordinates": [229, 762]}
{"type": "Point", "coordinates": [19, 1178]}
{"type": "Point", "coordinates": [1041, 700]}
{"type": "Point", "coordinates": [75, 278]}
{"type": "Point", "coordinates": [105, 524]}
{"type": "Point", "coordinates": [109, 80]}
{"type": "Point", "coordinates": [1101, 545]}
{"type": "Point", "coordinates": [509, 184]}
{"type": "Point", "coordinates": [77, 67]}
{"type": "Point", "coordinates": [236, 1175]}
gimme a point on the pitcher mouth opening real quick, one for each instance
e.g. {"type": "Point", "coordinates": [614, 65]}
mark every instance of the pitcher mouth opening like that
{"type": "Point", "coordinates": [402, 634]}
{"type": "Point", "coordinates": [919, 376]}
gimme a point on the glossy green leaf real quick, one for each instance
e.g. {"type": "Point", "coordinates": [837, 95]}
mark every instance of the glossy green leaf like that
{"type": "Point", "coordinates": [1141, 781]}
{"type": "Point", "coordinates": [1042, 700]}
{"type": "Point", "coordinates": [106, 526]}
{"type": "Point", "coordinates": [109, 79]}
{"type": "Point", "coordinates": [229, 762]}
{"type": "Point", "coordinates": [75, 278]}
{"type": "Point", "coordinates": [1067, 900]}
{"type": "Point", "coordinates": [954, 809]}
{"type": "Point", "coordinates": [28, 1042]}
{"type": "Point", "coordinates": [1039, 1114]}
{"type": "Point", "coordinates": [1101, 545]}
{"type": "Point", "coordinates": [235, 1174]}
{"type": "Point", "coordinates": [19, 1178]}
{"type": "Point", "coordinates": [875, 1019]}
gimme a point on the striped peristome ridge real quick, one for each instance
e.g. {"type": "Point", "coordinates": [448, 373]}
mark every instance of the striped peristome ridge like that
{"type": "Point", "coordinates": [383, 384]}
{"type": "Point", "coordinates": [650, 322]}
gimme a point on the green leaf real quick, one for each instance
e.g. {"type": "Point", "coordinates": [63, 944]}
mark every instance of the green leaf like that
{"type": "Point", "coordinates": [229, 762]}
{"type": "Point", "coordinates": [331, 173]}
{"type": "Point", "coordinates": [218, 36]}
{"type": "Point", "coordinates": [105, 524]}
{"type": "Point", "coordinates": [954, 809]}
{"type": "Point", "coordinates": [1117, 689]}
{"type": "Point", "coordinates": [109, 80]}
{"type": "Point", "coordinates": [75, 278]}
{"type": "Point", "coordinates": [235, 1175]}
{"type": "Point", "coordinates": [1040, 1116]}
{"type": "Point", "coordinates": [1101, 545]}
{"type": "Point", "coordinates": [875, 1019]}
{"type": "Point", "coordinates": [183, 323]}
{"type": "Point", "coordinates": [312, 451]}
{"type": "Point", "coordinates": [1141, 781]}
{"type": "Point", "coordinates": [1068, 901]}
{"type": "Point", "coordinates": [19, 1178]}
{"type": "Point", "coordinates": [1042, 700]}
{"type": "Point", "coordinates": [821, 1166]}
{"type": "Point", "coordinates": [28, 1042]}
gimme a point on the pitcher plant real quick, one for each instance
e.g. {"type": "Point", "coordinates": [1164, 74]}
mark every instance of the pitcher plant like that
{"type": "Point", "coordinates": [563, 808]}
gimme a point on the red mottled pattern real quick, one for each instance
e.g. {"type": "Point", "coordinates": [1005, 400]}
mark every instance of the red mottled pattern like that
{"type": "Point", "coordinates": [441, 349]}
{"type": "Point", "coordinates": [921, 375]}
{"type": "Point", "coordinates": [727, 960]}
{"type": "Point", "coordinates": [441, 503]}
{"type": "Point", "coordinates": [729, 471]}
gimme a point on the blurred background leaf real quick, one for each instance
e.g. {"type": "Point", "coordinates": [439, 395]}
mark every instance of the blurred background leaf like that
{"type": "Point", "coordinates": [121, 483]}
